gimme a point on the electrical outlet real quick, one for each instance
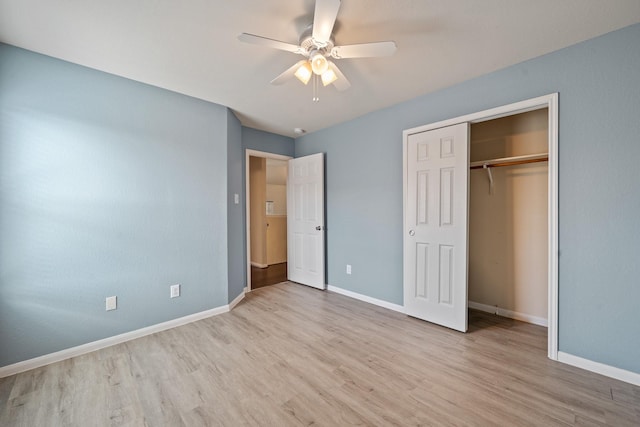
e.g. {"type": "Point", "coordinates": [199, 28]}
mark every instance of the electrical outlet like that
{"type": "Point", "coordinates": [112, 303]}
{"type": "Point", "coordinates": [236, 198]}
{"type": "Point", "coordinates": [175, 291]}
{"type": "Point", "coordinates": [348, 268]}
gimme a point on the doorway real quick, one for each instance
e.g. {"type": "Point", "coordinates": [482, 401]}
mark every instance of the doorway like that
{"type": "Point", "coordinates": [423, 145]}
{"type": "Point", "coordinates": [266, 213]}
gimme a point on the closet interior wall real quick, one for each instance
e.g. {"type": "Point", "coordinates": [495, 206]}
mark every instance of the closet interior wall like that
{"type": "Point", "coordinates": [508, 231]}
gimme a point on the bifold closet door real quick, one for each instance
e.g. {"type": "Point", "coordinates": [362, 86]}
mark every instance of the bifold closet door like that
{"type": "Point", "coordinates": [436, 226]}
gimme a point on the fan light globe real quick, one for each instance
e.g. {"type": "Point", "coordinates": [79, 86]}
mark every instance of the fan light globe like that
{"type": "Point", "coordinates": [319, 63]}
{"type": "Point", "coordinates": [303, 73]}
{"type": "Point", "coordinates": [328, 77]}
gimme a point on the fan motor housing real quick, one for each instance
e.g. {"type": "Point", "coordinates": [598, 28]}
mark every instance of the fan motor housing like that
{"type": "Point", "coordinates": [308, 43]}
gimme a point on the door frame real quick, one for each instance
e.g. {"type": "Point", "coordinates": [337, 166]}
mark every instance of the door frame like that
{"type": "Point", "coordinates": [551, 103]}
{"type": "Point", "coordinates": [247, 200]}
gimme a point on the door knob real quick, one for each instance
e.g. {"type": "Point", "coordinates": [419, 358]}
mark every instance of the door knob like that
{"type": "Point", "coordinates": [412, 233]}
{"type": "Point", "coordinates": [319, 228]}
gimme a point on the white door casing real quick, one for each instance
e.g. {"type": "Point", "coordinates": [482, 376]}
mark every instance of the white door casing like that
{"type": "Point", "coordinates": [248, 154]}
{"type": "Point", "coordinates": [436, 226]}
{"type": "Point", "coordinates": [305, 221]}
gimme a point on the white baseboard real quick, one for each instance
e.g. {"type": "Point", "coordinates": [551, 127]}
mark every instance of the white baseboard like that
{"type": "Point", "coordinates": [68, 353]}
{"type": "Point", "coordinates": [255, 264]}
{"type": "Point", "coordinates": [600, 368]}
{"type": "Point", "coordinates": [370, 300]}
{"type": "Point", "coordinates": [237, 299]}
{"type": "Point", "coordinates": [541, 321]}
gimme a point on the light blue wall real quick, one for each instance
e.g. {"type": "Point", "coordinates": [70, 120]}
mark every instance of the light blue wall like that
{"type": "Point", "coordinates": [235, 226]}
{"type": "Point", "coordinates": [107, 187]}
{"type": "Point", "coordinates": [254, 139]}
{"type": "Point", "coordinates": [599, 151]}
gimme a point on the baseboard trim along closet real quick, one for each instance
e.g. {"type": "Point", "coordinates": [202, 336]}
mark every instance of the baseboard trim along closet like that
{"type": "Point", "coordinates": [540, 321]}
{"type": "Point", "coordinates": [68, 353]}
{"type": "Point", "coordinates": [599, 368]}
{"type": "Point", "coordinates": [258, 265]}
{"type": "Point", "coordinates": [370, 300]}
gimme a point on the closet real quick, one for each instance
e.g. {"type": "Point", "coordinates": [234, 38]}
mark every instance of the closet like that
{"type": "Point", "coordinates": [508, 215]}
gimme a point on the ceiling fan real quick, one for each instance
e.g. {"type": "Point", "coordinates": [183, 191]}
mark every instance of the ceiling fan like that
{"type": "Point", "coordinates": [318, 47]}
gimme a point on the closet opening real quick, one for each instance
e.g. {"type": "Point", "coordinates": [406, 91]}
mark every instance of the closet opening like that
{"type": "Point", "coordinates": [508, 264]}
{"type": "Point", "coordinates": [483, 217]}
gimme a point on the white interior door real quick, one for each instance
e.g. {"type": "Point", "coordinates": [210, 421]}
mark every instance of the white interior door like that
{"type": "Point", "coordinates": [436, 226]}
{"type": "Point", "coordinates": [305, 220]}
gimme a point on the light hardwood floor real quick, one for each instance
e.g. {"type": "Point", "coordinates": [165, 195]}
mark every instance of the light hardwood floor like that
{"type": "Point", "coordinates": [292, 355]}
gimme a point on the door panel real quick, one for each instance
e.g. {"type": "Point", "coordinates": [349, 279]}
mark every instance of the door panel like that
{"type": "Point", "coordinates": [435, 235]}
{"type": "Point", "coordinates": [305, 220]}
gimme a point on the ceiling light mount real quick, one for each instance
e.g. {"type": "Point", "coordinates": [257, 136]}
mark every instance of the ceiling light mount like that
{"type": "Point", "coordinates": [308, 43]}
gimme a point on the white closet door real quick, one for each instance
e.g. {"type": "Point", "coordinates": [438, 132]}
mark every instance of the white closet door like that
{"type": "Point", "coordinates": [436, 226]}
{"type": "Point", "coordinates": [305, 220]}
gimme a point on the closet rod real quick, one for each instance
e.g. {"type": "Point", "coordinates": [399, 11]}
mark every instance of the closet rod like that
{"type": "Point", "coordinates": [510, 161]}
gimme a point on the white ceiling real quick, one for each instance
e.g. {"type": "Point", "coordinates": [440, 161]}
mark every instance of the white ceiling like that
{"type": "Point", "coordinates": [191, 47]}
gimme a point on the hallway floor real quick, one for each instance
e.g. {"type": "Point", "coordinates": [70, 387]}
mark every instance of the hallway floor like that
{"type": "Point", "coordinates": [275, 273]}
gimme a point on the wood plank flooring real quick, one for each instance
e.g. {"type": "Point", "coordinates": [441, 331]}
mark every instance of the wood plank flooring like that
{"type": "Point", "coordinates": [289, 355]}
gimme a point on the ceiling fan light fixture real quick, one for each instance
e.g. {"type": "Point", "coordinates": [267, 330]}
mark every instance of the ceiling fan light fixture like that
{"type": "Point", "coordinates": [328, 77]}
{"type": "Point", "coordinates": [317, 45]}
{"type": "Point", "coordinates": [303, 73]}
{"type": "Point", "coordinates": [319, 63]}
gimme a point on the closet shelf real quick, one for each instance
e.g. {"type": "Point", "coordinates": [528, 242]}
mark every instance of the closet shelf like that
{"type": "Point", "coordinates": [510, 161]}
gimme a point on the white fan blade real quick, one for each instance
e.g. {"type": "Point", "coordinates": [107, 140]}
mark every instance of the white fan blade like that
{"type": "Point", "coordinates": [290, 72]}
{"type": "Point", "coordinates": [324, 18]}
{"type": "Point", "coordinates": [365, 50]}
{"type": "Point", "coordinates": [275, 44]}
{"type": "Point", "coordinates": [341, 82]}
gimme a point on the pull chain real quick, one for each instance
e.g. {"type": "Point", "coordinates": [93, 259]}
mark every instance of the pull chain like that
{"type": "Point", "coordinates": [315, 98]}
